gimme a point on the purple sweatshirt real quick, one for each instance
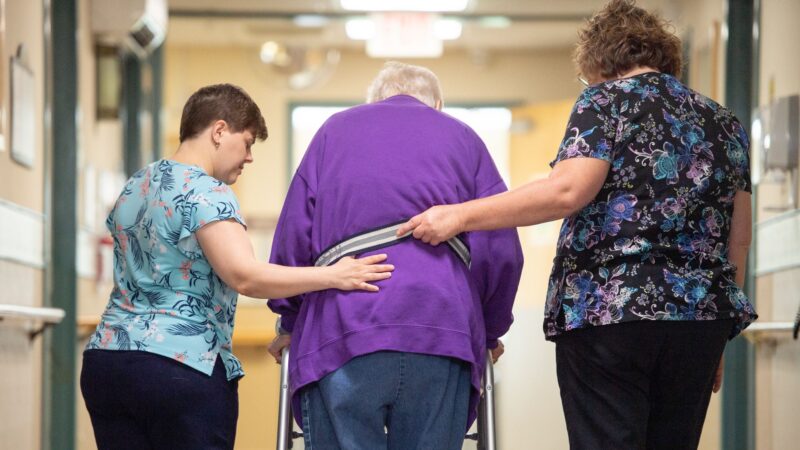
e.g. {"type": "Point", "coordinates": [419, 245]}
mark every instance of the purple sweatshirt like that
{"type": "Point", "coordinates": [370, 166]}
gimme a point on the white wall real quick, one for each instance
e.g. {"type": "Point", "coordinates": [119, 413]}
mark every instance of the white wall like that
{"type": "Point", "coordinates": [777, 362]}
{"type": "Point", "coordinates": [21, 187]}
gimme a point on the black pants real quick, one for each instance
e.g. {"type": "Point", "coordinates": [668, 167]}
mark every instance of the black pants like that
{"type": "Point", "coordinates": [139, 400]}
{"type": "Point", "coordinates": [639, 385]}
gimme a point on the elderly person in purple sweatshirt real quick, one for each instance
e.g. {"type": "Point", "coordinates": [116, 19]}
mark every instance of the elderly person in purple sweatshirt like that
{"type": "Point", "coordinates": [398, 368]}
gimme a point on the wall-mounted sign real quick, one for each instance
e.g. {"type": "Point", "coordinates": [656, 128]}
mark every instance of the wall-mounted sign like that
{"type": "Point", "coordinates": [3, 75]}
{"type": "Point", "coordinates": [23, 112]}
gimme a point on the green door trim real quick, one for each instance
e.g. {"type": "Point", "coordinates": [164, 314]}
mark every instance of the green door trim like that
{"type": "Point", "coordinates": [156, 61]}
{"type": "Point", "coordinates": [741, 96]}
{"type": "Point", "coordinates": [59, 350]}
{"type": "Point", "coordinates": [131, 106]}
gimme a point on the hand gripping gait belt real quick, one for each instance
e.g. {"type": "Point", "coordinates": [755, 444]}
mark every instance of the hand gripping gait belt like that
{"type": "Point", "coordinates": [374, 239]}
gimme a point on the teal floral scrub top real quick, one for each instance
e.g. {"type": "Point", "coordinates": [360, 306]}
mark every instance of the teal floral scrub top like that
{"type": "Point", "coordinates": [166, 298]}
{"type": "Point", "coordinates": [653, 245]}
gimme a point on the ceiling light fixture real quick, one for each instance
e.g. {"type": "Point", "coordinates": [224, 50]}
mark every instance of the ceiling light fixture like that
{"type": "Point", "coordinates": [447, 29]}
{"type": "Point", "coordinates": [362, 29]}
{"type": "Point", "coordinates": [269, 52]}
{"type": "Point", "coordinates": [405, 5]}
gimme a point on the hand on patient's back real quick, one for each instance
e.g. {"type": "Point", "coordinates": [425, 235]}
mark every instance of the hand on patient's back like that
{"type": "Point", "coordinates": [351, 273]}
{"type": "Point", "coordinates": [434, 226]}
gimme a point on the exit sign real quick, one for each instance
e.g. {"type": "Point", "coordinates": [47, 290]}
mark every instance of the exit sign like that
{"type": "Point", "coordinates": [404, 35]}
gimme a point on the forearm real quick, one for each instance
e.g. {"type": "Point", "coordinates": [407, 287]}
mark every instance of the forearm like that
{"type": "Point", "coordinates": [536, 202]}
{"type": "Point", "coordinates": [741, 234]}
{"type": "Point", "coordinates": [265, 280]}
{"type": "Point", "coordinates": [737, 255]}
{"type": "Point", "coordinates": [569, 187]}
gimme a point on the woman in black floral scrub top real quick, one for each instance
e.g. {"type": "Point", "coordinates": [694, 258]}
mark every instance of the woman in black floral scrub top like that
{"type": "Point", "coordinates": [653, 182]}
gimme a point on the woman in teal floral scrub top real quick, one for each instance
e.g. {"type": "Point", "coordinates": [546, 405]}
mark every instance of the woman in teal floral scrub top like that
{"type": "Point", "coordinates": [159, 371]}
{"type": "Point", "coordinates": [653, 182]}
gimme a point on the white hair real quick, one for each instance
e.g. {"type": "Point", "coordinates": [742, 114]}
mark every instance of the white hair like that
{"type": "Point", "coordinates": [398, 78]}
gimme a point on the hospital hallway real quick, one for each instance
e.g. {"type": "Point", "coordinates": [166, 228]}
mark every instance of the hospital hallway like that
{"type": "Point", "coordinates": [91, 91]}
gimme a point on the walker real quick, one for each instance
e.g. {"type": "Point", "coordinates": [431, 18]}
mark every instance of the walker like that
{"type": "Point", "coordinates": [485, 436]}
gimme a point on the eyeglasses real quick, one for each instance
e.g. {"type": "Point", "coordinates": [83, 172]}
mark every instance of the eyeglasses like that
{"type": "Point", "coordinates": [583, 81]}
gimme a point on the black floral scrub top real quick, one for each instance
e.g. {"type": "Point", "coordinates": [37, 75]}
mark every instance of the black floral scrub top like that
{"type": "Point", "coordinates": [653, 244]}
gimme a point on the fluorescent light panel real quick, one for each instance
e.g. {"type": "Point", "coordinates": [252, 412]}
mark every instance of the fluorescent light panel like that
{"type": "Point", "coordinates": [447, 29]}
{"type": "Point", "coordinates": [405, 5]}
{"type": "Point", "coordinates": [360, 29]}
{"type": "Point", "coordinates": [364, 29]}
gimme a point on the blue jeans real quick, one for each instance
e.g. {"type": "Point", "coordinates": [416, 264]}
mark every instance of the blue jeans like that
{"type": "Point", "coordinates": [389, 400]}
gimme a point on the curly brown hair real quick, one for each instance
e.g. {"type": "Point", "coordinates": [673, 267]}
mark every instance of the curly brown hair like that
{"type": "Point", "coordinates": [623, 36]}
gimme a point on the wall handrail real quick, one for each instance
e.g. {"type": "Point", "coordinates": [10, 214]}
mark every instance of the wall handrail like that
{"type": "Point", "coordinates": [768, 331]}
{"type": "Point", "coordinates": [41, 314]}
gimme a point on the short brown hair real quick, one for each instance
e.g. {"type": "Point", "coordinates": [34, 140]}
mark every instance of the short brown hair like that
{"type": "Point", "coordinates": [623, 36]}
{"type": "Point", "coordinates": [221, 102]}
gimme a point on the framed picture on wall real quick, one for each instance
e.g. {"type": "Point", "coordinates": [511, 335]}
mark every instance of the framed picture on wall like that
{"type": "Point", "coordinates": [109, 81]}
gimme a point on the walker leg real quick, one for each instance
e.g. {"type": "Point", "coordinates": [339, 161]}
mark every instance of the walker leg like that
{"type": "Point", "coordinates": [285, 406]}
{"type": "Point", "coordinates": [485, 436]}
{"type": "Point", "coordinates": [486, 419]}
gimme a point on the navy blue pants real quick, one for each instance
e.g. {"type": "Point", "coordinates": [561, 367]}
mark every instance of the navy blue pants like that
{"type": "Point", "coordinates": [639, 385]}
{"type": "Point", "coordinates": [139, 400]}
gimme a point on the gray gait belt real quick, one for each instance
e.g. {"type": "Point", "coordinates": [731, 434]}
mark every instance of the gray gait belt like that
{"type": "Point", "coordinates": [379, 238]}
